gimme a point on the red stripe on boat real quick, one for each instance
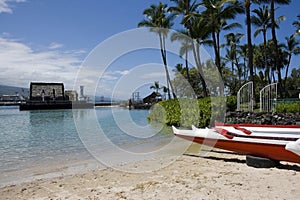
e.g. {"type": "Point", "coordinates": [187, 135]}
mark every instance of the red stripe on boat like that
{"type": "Point", "coordinates": [224, 133]}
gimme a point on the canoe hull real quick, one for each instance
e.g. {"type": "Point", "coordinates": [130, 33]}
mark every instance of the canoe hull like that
{"type": "Point", "coordinates": [271, 151]}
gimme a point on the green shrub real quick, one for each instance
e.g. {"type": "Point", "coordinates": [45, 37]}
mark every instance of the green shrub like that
{"type": "Point", "coordinates": [187, 112]}
{"type": "Point", "coordinates": [231, 103]}
{"type": "Point", "coordinates": [288, 108]}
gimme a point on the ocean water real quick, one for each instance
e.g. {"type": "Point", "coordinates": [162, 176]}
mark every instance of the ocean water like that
{"type": "Point", "coordinates": [57, 142]}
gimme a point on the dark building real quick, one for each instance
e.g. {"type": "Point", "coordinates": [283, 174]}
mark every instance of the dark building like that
{"type": "Point", "coordinates": [154, 97]}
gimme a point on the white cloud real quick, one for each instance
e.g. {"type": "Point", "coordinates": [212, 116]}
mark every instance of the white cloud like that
{"type": "Point", "coordinates": [5, 5]}
{"type": "Point", "coordinates": [154, 75]}
{"type": "Point", "coordinates": [55, 45]}
{"type": "Point", "coordinates": [20, 64]}
{"type": "Point", "coordinates": [113, 75]}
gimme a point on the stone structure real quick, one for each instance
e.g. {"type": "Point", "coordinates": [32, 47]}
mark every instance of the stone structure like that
{"type": "Point", "coordinates": [46, 91]}
{"type": "Point", "coordinates": [72, 95]}
{"type": "Point", "coordinates": [49, 96]}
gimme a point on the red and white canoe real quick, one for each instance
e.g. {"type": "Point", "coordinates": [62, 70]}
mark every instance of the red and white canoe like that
{"type": "Point", "coordinates": [275, 149]}
{"type": "Point", "coordinates": [262, 128]}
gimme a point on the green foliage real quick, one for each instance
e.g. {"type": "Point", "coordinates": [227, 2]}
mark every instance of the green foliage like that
{"type": "Point", "coordinates": [204, 111]}
{"type": "Point", "coordinates": [187, 85]}
{"type": "Point", "coordinates": [288, 108]}
{"type": "Point", "coordinates": [186, 112]}
{"type": "Point", "coordinates": [231, 103]}
{"type": "Point", "coordinates": [293, 83]}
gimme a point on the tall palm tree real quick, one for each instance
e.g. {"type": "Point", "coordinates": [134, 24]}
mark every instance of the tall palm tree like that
{"type": "Point", "coordinates": [188, 8]}
{"type": "Point", "coordinates": [233, 41]}
{"type": "Point", "coordinates": [292, 47]}
{"type": "Point", "coordinates": [159, 22]}
{"type": "Point", "coordinates": [262, 20]}
{"type": "Point", "coordinates": [199, 33]}
{"type": "Point", "coordinates": [243, 51]}
{"type": "Point", "coordinates": [274, 37]}
{"type": "Point", "coordinates": [186, 46]}
{"type": "Point", "coordinates": [247, 4]}
{"type": "Point", "coordinates": [217, 13]}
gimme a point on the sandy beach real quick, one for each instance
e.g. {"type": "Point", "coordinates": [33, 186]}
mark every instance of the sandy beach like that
{"type": "Point", "coordinates": [217, 175]}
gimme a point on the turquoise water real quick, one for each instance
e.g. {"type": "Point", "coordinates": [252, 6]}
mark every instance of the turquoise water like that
{"type": "Point", "coordinates": [40, 142]}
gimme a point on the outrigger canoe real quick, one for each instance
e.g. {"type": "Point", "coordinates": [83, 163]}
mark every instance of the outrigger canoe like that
{"type": "Point", "coordinates": [262, 128]}
{"type": "Point", "coordinates": [272, 146]}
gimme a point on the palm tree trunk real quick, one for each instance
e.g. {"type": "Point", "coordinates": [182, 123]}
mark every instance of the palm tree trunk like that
{"type": "Point", "coordinates": [273, 75]}
{"type": "Point", "coordinates": [238, 70]}
{"type": "Point", "coordinates": [265, 54]}
{"type": "Point", "coordinates": [196, 53]}
{"type": "Point", "coordinates": [218, 54]}
{"type": "Point", "coordinates": [273, 26]}
{"type": "Point", "coordinates": [245, 70]}
{"type": "Point", "coordinates": [164, 57]}
{"type": "Point", "coordinates": [217, 58]}
{"type": "Point", "coordinates": [165, 62]}
{"type": "Point", "coordinates": [287, 71]}
{"type": "Point", "coordinates": [187, 66]}
{"type": "Point", "coordinates": [250, 47]}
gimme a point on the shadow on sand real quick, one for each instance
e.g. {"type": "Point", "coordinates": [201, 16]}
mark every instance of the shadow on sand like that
{"type": "Point", "coordinates": [290, 166]}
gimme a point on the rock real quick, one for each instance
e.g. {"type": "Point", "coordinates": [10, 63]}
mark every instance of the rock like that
{"type": "Point", "coordinates": [262, 118]}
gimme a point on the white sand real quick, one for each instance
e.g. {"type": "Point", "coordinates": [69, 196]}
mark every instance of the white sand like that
{"type": "Point", "coordinates": [218, 175]}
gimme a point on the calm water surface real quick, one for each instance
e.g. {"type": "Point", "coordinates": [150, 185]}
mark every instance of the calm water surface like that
{"type": "Point", "coordinates": [39, 142]}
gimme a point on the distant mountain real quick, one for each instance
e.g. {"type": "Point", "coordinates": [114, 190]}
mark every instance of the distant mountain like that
{"type": "Point", "coordinates": [11, 90]}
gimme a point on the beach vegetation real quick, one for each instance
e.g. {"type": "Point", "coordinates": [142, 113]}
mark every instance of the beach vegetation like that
{"type": "Point", "coordinates": [185, 112]}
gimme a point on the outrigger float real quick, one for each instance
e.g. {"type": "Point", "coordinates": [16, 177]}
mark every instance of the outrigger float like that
{"type": "Point", "coordinates": [273, 142]}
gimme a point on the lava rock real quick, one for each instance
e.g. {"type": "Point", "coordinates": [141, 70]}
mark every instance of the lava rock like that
{"type": "Point", "coordinates": [262, 118]}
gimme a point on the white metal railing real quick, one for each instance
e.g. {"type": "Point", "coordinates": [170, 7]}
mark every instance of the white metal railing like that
{"type": "Point", "coordinates": [245, 97]}
{"type": "Point", "coordinates": [268, 98]}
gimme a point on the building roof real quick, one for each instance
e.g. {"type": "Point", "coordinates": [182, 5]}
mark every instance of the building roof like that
{"type": "Point", "coordinates": [152, 98]}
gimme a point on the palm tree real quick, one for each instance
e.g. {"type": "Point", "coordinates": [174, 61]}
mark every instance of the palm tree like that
{"type": "Point", "coordinates": [233, 41]}
{"type": "Point", "coordinates": [185, 8]}
{"type": "Point", "coordinates": [292, 47]}
{"type": "Point", "coordinates": [274, 37]}
{"type": "Point", "coordinates": [247, 4]}
{"type": "Point", "coordinates": [159, 22]}
{"type": "Point", "coordinates": [243, 51]}
{"type": "Point", "coordinates": [155, 87]}
{"type": "Point", "coordinates": [195, 30]}
{"type": "Point", "coordinates": [165, 91]}
{"type": "Point", "coordinates": [179, 69]}
{"type": "Point", "coordinates": [262, 21]}
{"type": "Point", "coordinates": [186, 46]}
{"type": "Point", "coordinates": [199, 33]}
{"type": "Point", "coordinates": [217, 13]}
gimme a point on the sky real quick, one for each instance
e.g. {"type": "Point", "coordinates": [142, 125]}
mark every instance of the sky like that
{"type": "Point", "coordinates": [57, 40]}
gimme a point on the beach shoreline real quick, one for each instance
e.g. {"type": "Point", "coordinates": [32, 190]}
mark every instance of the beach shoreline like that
{"type": "Point", "coordinates": [216, 175]}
